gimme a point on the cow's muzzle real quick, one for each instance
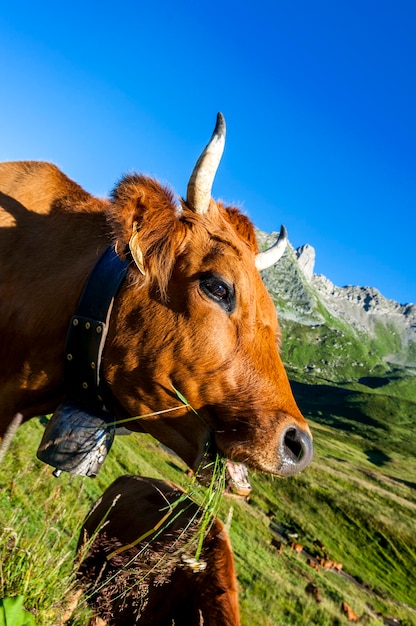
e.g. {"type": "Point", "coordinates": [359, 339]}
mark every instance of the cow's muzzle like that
{"type": "Point", "coordinates": [295, 451]}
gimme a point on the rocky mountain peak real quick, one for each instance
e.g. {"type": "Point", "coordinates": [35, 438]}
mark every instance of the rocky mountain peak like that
{"type": "Point", "coordinates": [310, 299]}
{"type": "Point", "coordinates": [306, 259]}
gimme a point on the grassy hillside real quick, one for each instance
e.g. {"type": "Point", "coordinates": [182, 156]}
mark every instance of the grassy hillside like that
{"type": "Point", "coordinates": [357, 498]}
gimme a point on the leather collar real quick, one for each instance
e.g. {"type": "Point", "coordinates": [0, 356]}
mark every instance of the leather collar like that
{"type": "Point", "coordinates": [88, 330]}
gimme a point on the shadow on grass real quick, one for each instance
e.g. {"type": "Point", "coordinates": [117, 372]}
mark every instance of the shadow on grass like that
{"type": "Point", "coordinates": [374, 382]}
{"type": "Point", "coordinates": [377, 457]}
{"type": "Point", "coordinates": [335, 406]}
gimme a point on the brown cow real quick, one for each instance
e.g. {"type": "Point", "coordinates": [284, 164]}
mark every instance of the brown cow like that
{"type": "Point", "coordinates": [139, 568]}
{"type": "Point", "coordinates": [312, 563]}
{"type": "Point", "coordinates": [349, 613]}
{"type": "Point", "coordinates": [325, 563]}
{"type": "Point", "coordinates": [191, 315]}
{"type": "Point", "coordinates": [276, 543]}
{"type": "Point", "coordinates": [313, 591]}
{"type": "Point", "coordinates": [297, 547]}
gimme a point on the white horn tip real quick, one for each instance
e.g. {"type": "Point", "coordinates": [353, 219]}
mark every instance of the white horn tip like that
{"type": "Point", "coordinates": [270, 256]}
{"type": "Point", "coordinates": [220, 125]}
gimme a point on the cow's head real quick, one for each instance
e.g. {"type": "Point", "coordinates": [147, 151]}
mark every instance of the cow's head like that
{"type": "Point", "coordinates": [195, 316]}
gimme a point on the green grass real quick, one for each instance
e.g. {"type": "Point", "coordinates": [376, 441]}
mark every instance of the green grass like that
{"type": "Point", "coordinates": [41, 516]}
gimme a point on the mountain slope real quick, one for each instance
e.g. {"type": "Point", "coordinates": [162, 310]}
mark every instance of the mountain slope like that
{"type": "Point", "coordinates": [338, 333]}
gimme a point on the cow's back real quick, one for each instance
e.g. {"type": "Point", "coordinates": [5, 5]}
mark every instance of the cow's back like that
{"type": "Point", "coordinates": [34, 185]}
{"type": "Point", "coordinates": [49, 229]}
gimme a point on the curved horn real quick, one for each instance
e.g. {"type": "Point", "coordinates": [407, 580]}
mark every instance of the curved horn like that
{"type": "Point", "coordinates": [270, 256]}
{"type": "Point", "coordinates": [198, 195]}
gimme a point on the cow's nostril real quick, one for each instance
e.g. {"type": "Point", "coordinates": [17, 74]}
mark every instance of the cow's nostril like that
{"type": "Point", "coordinates": [293, 443]}
{"type": "Point", "coordinates": [297, 451]}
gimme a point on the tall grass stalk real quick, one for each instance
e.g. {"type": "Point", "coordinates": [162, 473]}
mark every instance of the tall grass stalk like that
{"type": "Point", "coordinates": [38, 563]}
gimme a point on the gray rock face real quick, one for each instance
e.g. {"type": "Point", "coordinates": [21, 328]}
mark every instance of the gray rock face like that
{"type": "Point", "coordinates": [306, 259]}
{"type": "Point", "coordinates": [367, 310]}
{"type": "Point", "coordinates": [289, 287]}
{"type": "Point", "coordinates": [362, 305]}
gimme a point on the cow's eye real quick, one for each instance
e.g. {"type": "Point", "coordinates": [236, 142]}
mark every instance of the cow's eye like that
{"type": "Point", "coordinates": [219, 291]}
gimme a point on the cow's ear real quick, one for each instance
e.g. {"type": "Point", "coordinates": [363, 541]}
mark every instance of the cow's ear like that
{"type": "Point", "coordinates": [142, 212]}
{"type": "Point", "coordinates": [242, 224]}
{"type": "Point", "coordinates": [135, 249]}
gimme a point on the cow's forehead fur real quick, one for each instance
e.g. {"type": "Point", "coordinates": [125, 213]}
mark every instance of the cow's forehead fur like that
{"type": "Point", "coordinates": [169, 229]}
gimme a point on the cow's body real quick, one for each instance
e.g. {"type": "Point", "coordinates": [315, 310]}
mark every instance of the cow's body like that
{"type": "Point", "coordinates": [51, 234]}
{"type": "Point", "coordinates": [192, 314]}
{"type": "Point", "coordinates": [156, 580]}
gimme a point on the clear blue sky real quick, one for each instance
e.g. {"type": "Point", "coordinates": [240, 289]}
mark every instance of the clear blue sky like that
{"type": "Point", "coordinates": [319, 98]}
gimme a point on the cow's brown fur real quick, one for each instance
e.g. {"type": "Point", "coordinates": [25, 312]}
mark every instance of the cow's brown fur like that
{"type": "Point", "coordinates": [164, 331]}
{"type": "Point", "coordinates": [150, 582]}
